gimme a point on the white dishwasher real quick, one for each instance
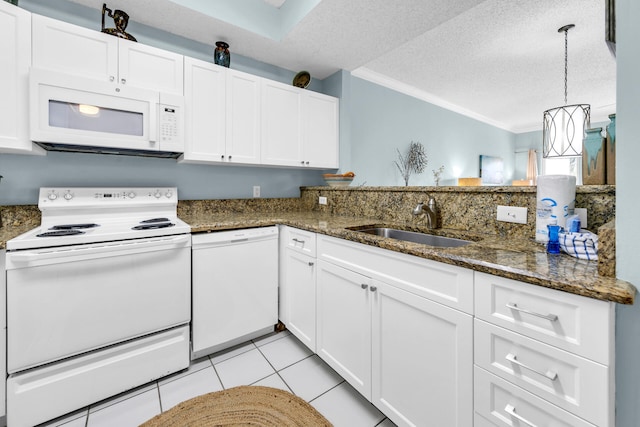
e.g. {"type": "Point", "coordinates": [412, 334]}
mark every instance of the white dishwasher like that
{"type": "Point", "coordinates": [234, 287]}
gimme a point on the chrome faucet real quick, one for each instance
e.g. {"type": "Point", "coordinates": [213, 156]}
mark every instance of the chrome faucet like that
{"type": "Point", "coordinates": [430, 210]}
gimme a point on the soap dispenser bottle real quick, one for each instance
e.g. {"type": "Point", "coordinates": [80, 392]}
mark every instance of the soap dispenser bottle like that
{"type": "Point", "coordinates": [553, 245]}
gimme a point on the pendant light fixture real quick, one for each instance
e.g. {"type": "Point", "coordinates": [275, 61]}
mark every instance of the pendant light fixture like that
{"type": "Point", "coordinates": [564, 128]}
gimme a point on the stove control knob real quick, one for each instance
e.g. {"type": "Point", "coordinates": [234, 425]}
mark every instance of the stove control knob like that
{"type": "Point", "coordinates": [158, 194]}
{"type": "Point", "coordinates": [131, 195]}
{"type": "Point", "coordinates": [52, 196]}
{"type": "Point", "coordinates": [68, 196]}
{"type": "Point", "coordinates": [168, 194]}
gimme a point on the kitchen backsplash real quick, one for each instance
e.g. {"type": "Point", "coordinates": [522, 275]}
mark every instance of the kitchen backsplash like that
{"type": "Point", "coordinates": [461, 208]}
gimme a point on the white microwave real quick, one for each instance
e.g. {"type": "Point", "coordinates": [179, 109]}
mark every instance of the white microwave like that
{"type": "Point", "coordinates": [70, 113]}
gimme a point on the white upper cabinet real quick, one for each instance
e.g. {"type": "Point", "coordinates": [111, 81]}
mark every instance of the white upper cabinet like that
{"type": "Point", "coordinates": [15, 60]}
{"type": "Point", "coordinates": [281, 125]}
{"type": "Point", "coordinates": [320, 130]}
{"type": "Point", "coordinates": [222, 114]}
{"type": "Point", "coordinates": [299, 127]}
{"type": "Point", "coordinates": [76, 50]}
{"type": "Point", "coordinates": [148, 67]}
{"type": "Point", "coordinates": [204, 92]}
{"type": "Point", "coordinates": [243, 117]}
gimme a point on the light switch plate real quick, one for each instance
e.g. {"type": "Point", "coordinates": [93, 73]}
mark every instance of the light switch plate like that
{"type": "Point", "coordinates": [582, 213]}
{"type": "Point", "coordinates": [322, 200]}
{"type": "Point", "coordinates": [512, 214]}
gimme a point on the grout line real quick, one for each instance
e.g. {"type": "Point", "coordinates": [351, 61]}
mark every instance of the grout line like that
{"type": "Point", "coordinates": [327, 391]}
{"type": "Point", "coordinates": [159, 396]}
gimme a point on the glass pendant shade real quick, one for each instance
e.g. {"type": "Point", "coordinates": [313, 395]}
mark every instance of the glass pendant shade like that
{"type": "Point", "coordinates": [564, 130]}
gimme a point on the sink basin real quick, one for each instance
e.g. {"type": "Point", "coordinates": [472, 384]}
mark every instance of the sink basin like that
{"type": "Point", "coordinates": [412, 236]}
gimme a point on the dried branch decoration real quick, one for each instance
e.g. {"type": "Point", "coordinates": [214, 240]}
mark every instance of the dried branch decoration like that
{"type": "Point", "coordinates": [414, 162]}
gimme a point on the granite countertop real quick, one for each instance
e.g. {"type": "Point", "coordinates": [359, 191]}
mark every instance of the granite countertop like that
{"type": "Point", "coordinates": [519, 259]}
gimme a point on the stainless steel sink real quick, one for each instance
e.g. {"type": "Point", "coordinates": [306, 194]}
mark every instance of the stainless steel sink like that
{"type": "Point", "coordinates": [412, 236]}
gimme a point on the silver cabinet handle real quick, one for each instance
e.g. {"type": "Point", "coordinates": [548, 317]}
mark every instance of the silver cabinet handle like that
{"type": "Point", "coordinates": [298, 241]}
{"type": "Point", "coordinates": [364, 286]}
{"type": "Point", "coordinates": [310, 264]}
{"type": "Point", "coordinates": [222, 157]}
{"type": "Point", "coordinates": [111, 78]}
{"type": "Point", "coordinates": [123, 81]}
{"type": "Point", "coordinates": [549, 374]}
{"type": "Point", "coordinates": [373, 289]}
{"type": "Point", "coordinates": [511, 410]}
{"type": "Point", "coordinates": [302, 162]}
{"type": "Point", "coordinates": [514, 306]}
{"type": "Point", "coordinates": [229, 157]}
{"type": "Point", "coordinates": [306, 163]}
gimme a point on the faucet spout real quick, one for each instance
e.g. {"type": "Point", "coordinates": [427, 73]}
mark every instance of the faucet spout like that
{"type": "Point", "coordinates": [430, 210]}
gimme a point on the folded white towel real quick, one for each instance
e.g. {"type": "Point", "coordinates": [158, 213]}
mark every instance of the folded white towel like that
{"type": "Point", "coordinates": [583, 245]}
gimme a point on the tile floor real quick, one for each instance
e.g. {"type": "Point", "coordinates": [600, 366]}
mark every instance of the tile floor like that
{"type": "Point", "coordinates": [277, 360]}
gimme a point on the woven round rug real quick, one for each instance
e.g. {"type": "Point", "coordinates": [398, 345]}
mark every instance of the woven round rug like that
{"type": "Point", "coordinates": [241, 406]}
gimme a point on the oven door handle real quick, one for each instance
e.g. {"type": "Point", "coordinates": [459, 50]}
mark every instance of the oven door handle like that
{"type": "Point", "coordinates": [30, 256]}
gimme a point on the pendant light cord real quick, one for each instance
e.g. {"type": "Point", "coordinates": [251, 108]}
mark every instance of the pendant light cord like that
{"type": "Point", "coordinates": [566, 60]}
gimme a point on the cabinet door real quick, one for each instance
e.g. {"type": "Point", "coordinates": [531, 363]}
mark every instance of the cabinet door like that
{"type": "Point", "coordinates": [148, 67]}
{"type": "Point", "coordinates": [15, 60]}
{"type": "Point", "coordinates": [344, 324]}
{"type": "Point", "coordinates": [321, 133]}
{"type": "Point", "coordinates": [75, 50]}
{"type": "Point", "coordinates": [281, 125]}
{"type": "Point", "coordinates": [243, 118]}
{"type": "Point", "coordinates": [204, 91]}
{"type": "Point", "coordinates": [422, 360]}
{"type": "Point", "coordinates": [300, 280]}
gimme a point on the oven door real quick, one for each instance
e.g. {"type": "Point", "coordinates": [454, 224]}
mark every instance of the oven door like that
{"type": "Point", "coordinates": [69, 300]}
{"type": "Point", "coordinates": [71, 110]}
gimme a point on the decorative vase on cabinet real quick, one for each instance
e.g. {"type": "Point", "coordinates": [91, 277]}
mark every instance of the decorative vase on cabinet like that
{"type": "Point", "coordinates": [221, 55]}
{"type": "Point", "coordinates": [593, 158]}
{"type": "Point", "coordinates": [611, 150]}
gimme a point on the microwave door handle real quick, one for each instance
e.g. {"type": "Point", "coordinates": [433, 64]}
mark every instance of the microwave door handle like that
{"type": "Point", "coordinates": [153, 122]}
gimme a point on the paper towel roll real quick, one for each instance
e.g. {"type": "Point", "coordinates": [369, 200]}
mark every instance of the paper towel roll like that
{"type": "Point", "coordinates": [556, 200]}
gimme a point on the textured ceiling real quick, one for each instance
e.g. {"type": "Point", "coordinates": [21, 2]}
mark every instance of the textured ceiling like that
{"type": "Point", "coordinates": [501, 61]}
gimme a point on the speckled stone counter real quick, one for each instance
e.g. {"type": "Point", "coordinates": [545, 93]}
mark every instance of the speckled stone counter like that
{"type": "Point", "coordinates": [519, 259]}
{"type": "Point", "coordinates": [496, 249]}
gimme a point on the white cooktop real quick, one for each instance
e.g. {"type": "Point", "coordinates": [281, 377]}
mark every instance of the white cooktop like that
{"type": "Point", "coordinates": [72, 216]}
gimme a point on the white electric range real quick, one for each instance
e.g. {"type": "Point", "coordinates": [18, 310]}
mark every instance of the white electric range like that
{"type": "Point", "coordinates": [98, 299]}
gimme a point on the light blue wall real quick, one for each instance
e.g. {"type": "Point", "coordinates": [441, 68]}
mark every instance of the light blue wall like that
{"type": "Point", "coordinates": [373, 122]}
{"type": "Point", "coordinates": [627, 208]}
{"type": "Point", "coordinates": [24, 175]}
{"type": "Point", "coordinates": [382, 120]}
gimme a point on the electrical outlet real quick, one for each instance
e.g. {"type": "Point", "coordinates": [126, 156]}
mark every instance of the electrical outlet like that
{"type": "Point", "coordinates": [512, 214]}
{"type": "Point", "coordinates": [256, 191]}
{"type": "Point", "coordinates": [322, 200]}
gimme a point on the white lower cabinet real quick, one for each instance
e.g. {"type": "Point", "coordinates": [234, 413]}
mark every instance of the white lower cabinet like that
{"type": "Point", "coordinates": [344, 324]}
{"type": "Point", "coordinates": [410, 356]}
{"type": "Point", "coordinates": [542, 357]}
{"type": "Point", "coordinates": [300, 276]}
{"type": "Point", "coordinates": [499, 403]}
{"type": "Point", "coordinates": [401, 330]}
{"type": "Point", "coordinates": [422, 360]}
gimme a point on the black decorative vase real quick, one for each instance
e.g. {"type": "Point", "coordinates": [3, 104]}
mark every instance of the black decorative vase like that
{"type": "Point", "coordinates": [221, 55]}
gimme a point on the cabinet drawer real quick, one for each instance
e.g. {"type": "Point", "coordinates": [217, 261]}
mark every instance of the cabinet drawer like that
{"type": "Point", "coordinates": [300, 241]}
{"type": "Point", "coordinates": [571, 322]}
{"type": "Point", "coordinates": [572, 382]}
{"type": "Point", "coordinates": [505, 404]}
{"type": "Point", "coordinates": [443, 283]}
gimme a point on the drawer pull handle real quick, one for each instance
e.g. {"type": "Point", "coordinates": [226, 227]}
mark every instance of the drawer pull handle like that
{"type": "Point", "coordinates": [551, 317]}
{"type": "Point", "coordinates": [511, 410]}
{"type": "Point", "coordinates": [298, 241]}
{"type": "Point", "coordinates": [549, 374]}
{"type": "Point", "coordinates": [310, 264]}
{"type": "Point", "coordinates": [364, 286]}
